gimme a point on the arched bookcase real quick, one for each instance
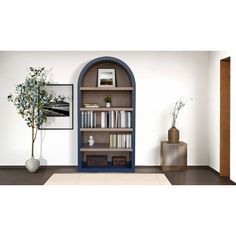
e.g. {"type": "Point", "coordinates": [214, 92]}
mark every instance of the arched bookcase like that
{"type": "Point", "coordinates": [116, 140]}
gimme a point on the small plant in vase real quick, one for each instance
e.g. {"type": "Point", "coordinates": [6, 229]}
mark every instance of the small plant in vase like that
{"type": "Point", "coordinates": [30, 101]}
{"type": "Point", "coordinates": [173, 132]}
{"type": "Point", "coordinates": [108, 100]}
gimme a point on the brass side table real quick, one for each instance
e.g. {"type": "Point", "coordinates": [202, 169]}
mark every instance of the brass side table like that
{"type": "Point", "coordinates": [173, 156]}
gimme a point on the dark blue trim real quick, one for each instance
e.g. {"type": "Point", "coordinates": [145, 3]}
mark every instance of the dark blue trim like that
{"type": "Point", "coordinates": [80, 134]}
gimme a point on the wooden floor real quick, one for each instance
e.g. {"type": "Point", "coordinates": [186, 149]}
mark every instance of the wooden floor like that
{"type": "Point", "coordinates": [191, 176]}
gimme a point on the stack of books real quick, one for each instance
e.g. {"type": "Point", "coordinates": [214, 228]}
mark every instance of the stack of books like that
{"type": "Point", "coordinates": [120, 141]}
{"type": "Point", "coordinates": [91, 105]}
{"type": "Point", "coordinates": [88, 119]}
{"type": "Point", "coordinates": [116, 119]}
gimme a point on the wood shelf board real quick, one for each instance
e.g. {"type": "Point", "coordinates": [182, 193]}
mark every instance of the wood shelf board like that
{"type": "Point", "coordinates": [107, 168]}
{"type": "Point", "coordinates": [106, 88]}
{"type": "Point", "coordinates": [102, 147]}
{"type": "Point", "coordinates": [106, 109]}
{"type": "Point", "coordinates": [106, 129]}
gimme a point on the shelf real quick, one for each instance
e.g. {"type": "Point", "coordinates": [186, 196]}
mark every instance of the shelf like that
{"type": "Point", "coordinates": [107, 168]}
{"type": "Point", "coordinates": [106, 88]}
{"type": "Point", "coordinates": [103, 147]}
{"type": "Point", "coordinates": [106, 129]}
{"type": "Point", "coordinates": [107, 109]}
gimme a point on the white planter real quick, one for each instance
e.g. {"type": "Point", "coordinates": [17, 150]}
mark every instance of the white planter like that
{"type": "Point", "coordinates": [108, 104]}
{"type": "Point", "coordinates": [32, 165]}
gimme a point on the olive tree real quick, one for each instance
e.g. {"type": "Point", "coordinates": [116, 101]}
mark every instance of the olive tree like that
{"type": "Point", "coordinates": [31, 98]}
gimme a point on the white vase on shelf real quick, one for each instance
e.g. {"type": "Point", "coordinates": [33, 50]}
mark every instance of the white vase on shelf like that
{"type": "Point", "coordinates": [108, 104]}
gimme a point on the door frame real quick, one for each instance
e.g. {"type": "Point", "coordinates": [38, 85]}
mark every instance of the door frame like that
{"type": "Point", "coordinates": [225, 117]}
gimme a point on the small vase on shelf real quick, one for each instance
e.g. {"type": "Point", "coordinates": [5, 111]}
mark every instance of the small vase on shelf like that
{"type": "Point", "coordinates": [173, 135]}
{"type": "Point", "coordinates": [108, 104]}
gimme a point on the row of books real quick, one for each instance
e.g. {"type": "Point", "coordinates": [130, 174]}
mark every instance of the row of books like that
{"type": "Point", "coordinates": [88, 119]}
{"type": "Point", "coordinates": [120, 141]}
{"type": "Point", "coordinates": [116, 119]}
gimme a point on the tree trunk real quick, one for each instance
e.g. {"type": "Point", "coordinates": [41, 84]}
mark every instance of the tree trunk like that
{"type": "Point", "coordinates": [32, 147]}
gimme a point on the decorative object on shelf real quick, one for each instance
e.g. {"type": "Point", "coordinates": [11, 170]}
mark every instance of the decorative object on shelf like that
{"type": "Point", "coordinates": [106, 78]}
{"type": "Point", "coordinates": [60, 113]}
{"type": "Point", "coordinates": [96, 160]}
{"type": "Point", "coordinates": [30, 99]}
{"type": "Point", "coordinates": [108, 100]}
{"type": "Point", "coordinates": [173, 132]}
{"type": "Point", "coordinates": [91, 141]}
{"type": "Point", "coordinates": [119, 161]}
{"type": "Point", "coordinates": [91, 105]}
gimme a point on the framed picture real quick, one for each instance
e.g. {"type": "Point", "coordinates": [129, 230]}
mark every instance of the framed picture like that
{"type": "Point", "coordinates": [106, 78]}
{"type": "Point", "coordinates": [60, 112]}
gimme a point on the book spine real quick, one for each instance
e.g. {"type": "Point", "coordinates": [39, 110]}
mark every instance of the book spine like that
{"type": "Point", "coordinates": [129, 119]}
{"type": "Point", "coordinates": [115, 140]}
{"type": "Point", "coordinates": [116, 119]}
{"type": "Point", "coordinates": [82, 119]}
{"type": "Point", "coordinates": [112, 119]}
{"type": "Point", "coordinates": [111, 141]}
{"type": "Point", "coordinates": [85, 119]}
{"type": "Point", "coordinates": [91, 119]}
{"type": "Point", "coordinates": [122, 119]}
{"type": "Point", "coordinates": [102, 120]}
{"type": "Point", "coordinates": [118, 126]}
{"type": "Point", "coordinates": [94, 120]}
{"type": "Point", "coordinates": [107, 119]}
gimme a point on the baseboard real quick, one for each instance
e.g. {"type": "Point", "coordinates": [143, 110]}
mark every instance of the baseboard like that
{"type": "Point", "coordinates": [75, 166]}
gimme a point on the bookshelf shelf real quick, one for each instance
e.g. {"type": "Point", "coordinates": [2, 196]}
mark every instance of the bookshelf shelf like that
{"type": "Point", "coordinates": [102, 147]}
{"type": "Point", "coordinates": [107, 109]}
{"type": "Point", "coordinates": [106, 89]}
{"type": "Point", "coordinates": [122, 111]}
{"type": "Point", "coordinates": [106, 129]}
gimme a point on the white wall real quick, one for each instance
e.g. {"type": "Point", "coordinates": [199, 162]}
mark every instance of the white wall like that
{"type": "Point", "coordinates": [161, 79]}
{"type": "Point", "coordinates": [214, 111]}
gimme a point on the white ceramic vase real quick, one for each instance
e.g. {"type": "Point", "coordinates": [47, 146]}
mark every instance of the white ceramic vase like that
{"type": "Point", "coordinates": [108, 104]}
{"type": "Point", "coordinates": [32, 165]}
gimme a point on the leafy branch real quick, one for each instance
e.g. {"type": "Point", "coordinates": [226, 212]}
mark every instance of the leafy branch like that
{"type": "Point", "coordinates": [178, 106]}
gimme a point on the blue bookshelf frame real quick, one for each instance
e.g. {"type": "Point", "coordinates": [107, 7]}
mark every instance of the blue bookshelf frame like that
{"type": "Point", "coordinates": [81, 166]}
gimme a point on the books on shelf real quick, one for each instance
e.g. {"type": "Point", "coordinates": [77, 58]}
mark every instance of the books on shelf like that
{"type": "Point", "coordinates": [120, 141]}
{"type": "Point", "coordinates": [88, 119]}
{"type": "Point", "coordinates": [115, 119]}
{"type": "Point", "coordinates": [91, 105]}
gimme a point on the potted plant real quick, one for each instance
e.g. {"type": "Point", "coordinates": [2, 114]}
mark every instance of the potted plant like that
{"type": "Point", "coordinates": [173, 132]}
{"type": "Point", "coordinates": [30, 99]}
{"type": "Point", "coordinates": [108, 100]}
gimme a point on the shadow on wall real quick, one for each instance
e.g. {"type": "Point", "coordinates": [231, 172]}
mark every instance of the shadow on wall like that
{"type": "Point", "coordinates": [42, 160]}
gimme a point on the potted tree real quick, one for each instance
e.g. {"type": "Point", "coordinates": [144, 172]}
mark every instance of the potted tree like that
{"type": "Point", "coordinates": [30, 99]}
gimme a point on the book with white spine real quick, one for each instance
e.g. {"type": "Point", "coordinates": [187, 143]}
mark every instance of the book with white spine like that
{"type": "Point", "coordinates": [102, 119]}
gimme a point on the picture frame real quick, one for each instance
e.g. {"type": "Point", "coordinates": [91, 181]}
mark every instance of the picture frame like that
{"type": "Point", "coordinates": [106, 78]}
{"type": "Point", "coordinates": [60, 114]}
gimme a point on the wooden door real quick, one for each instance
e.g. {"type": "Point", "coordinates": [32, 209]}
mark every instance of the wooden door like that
{"type": "Point", "coordinates": [225, 117]}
